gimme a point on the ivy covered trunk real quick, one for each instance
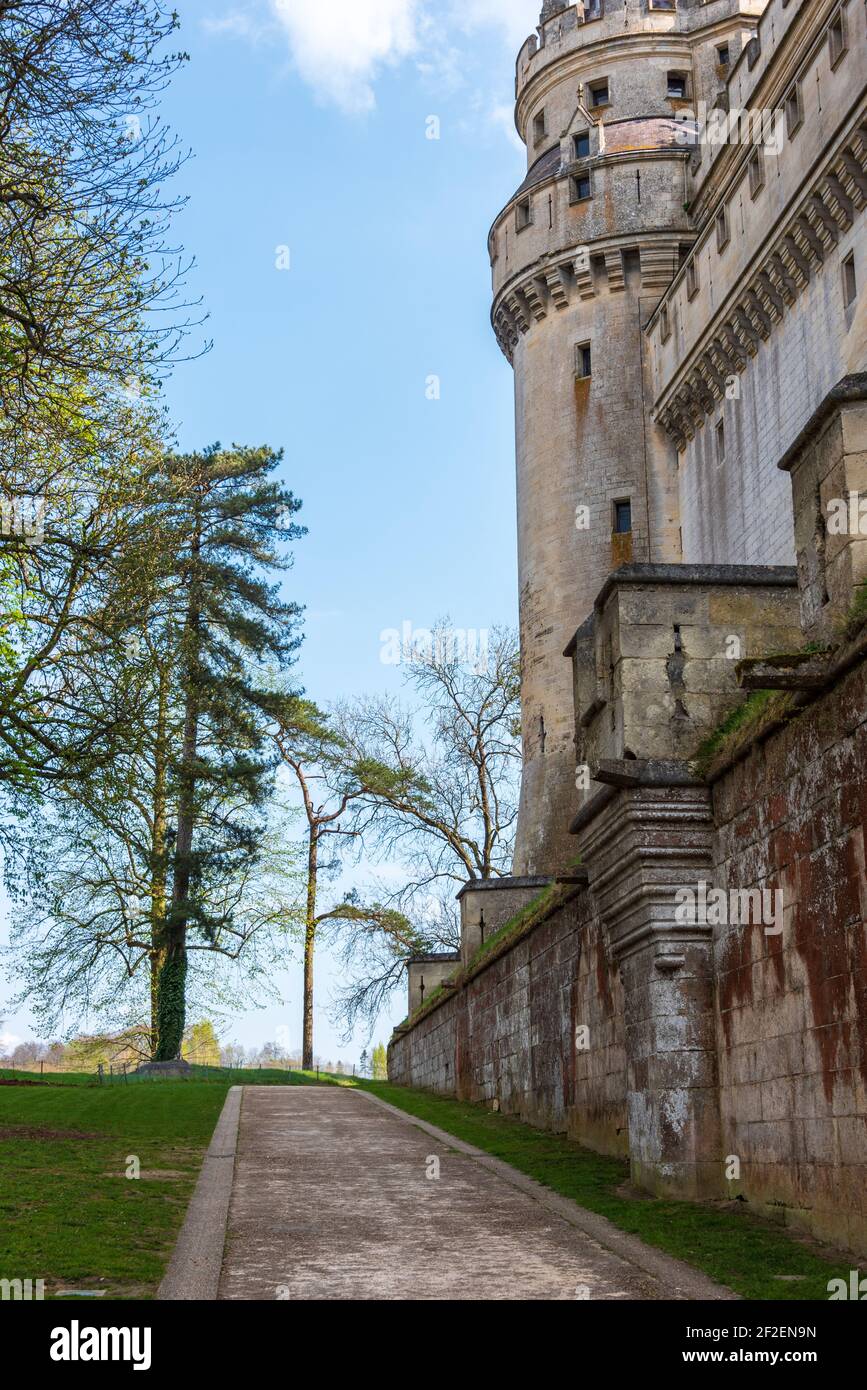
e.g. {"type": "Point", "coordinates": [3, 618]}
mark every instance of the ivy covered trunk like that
{"type": "Point", "coordinates": [309, 948]}
{"type": "Point", "coordinates": [171, 1003]}
{"type": "Point", "coordinates": [158, 858]}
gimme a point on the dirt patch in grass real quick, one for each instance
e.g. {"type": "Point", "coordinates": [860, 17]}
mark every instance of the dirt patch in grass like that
{"type": "Point", "coordinates": [83, 1291]}
{"type": "Point", "coordinates": [36, 1132]}
{"type": "Point", "coordinates": [633, 1194]}
{"type": "Point", "coordinates": [151, 1175]}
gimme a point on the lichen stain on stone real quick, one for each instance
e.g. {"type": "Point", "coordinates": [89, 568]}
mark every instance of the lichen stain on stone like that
{"type": "Point", "coordinates": [603, 978]}
{"type": "Point", "coordinates": [735, 975]}
{"type": "Point", "coordinates": [674, 1110]}
{"type": "Point", "coordinates": [463, 1061]}
{"type": "Point", "coordinates": [829, 937]}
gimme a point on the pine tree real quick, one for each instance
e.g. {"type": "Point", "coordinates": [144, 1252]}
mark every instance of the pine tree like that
{"type": "Point", "coordinates": [228, 518]}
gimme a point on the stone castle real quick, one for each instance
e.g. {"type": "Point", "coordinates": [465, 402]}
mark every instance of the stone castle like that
{"type": "Point", "coordinates": [677, 968]}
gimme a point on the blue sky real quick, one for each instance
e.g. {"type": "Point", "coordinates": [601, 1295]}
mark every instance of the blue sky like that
{"type": "Point", "coordinates": [308, 124]}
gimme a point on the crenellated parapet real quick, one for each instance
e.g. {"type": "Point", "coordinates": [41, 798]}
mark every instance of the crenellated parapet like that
{"type": "Point", "coordinates": [571, 37]}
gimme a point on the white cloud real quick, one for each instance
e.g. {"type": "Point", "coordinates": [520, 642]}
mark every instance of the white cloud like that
{"type": "Point", "coordinates": [516, 18]}
{"type": "Point", "coordinates": [9, 1041]}
{"type": "Point", "coordinates": [237, 24]}
{"type": "Point", "coordinates": [339, 46]}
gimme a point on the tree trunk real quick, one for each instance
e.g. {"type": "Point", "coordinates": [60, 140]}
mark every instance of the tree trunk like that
{"type": "Point", "coordinates": [171, 985]}
{"type": "Point", "coordinates": [158, 865]}
{"type": "Point", "coordinates": [171, 1000]}
{"type": "Point", "coordinates": [309, 946]}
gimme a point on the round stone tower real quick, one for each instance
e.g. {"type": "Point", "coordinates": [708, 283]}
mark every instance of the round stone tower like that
{"type": "Point", "coordinates": [581, 255]}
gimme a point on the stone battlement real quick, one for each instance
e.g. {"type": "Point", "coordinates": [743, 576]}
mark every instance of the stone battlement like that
{"type": "Point", "coordinates": [575, 30]}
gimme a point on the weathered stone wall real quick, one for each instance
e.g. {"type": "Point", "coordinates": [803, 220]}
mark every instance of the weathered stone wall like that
{"type": "Point", "coordinates": [828, 469]}
{"type": "Point", "coordinates": [792, 1008]}
{"type": "Point", "coordinates": [511, 1034]}
{"type": "Point", "coordinates": [427, 973]}
{"type": "Point", "coordinates": [779, 1018]}
{"type": "Point", "coordinates": [724, 315]}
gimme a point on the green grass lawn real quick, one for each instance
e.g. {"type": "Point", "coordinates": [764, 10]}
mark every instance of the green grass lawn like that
{"type": "Point", "coordinates": [68, 1212]}
{"type": "Point", "coordinates": [753, 1256]}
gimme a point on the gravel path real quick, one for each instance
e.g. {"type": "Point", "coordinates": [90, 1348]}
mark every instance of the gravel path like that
{"type": "Point", "coordinates": [337, 1196]}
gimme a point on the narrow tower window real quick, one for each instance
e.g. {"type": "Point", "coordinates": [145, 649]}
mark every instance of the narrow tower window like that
{"type": "Point", "coordinates": [720, 443]}
{"type": "Point", "coordinates": [757, 173]}
{"type": "Point", "coordinates": [623, 516]}
{"type": "Point", "coordinates": [850, 282]}
{"type": "Point", "coordinates": [722, 229]}
{"type": "Point", "coordinates": [599, 93]}
{"type": "Point", "coordinates": [837, 38]}
{"type": "Point", "coordinates": [677, 85]}
{"type": "Point", "coordinates": [691, 279]}
{"type": "Point", "coordinates": [794, 110]}
{"type": "Point", "coordinates": [583, 360]}
{"type": "Point", "coordinates": [581, 143]}
{"type": "Point", "coordinates": [580, 188]}
{"type": "Point", "coordinates": [723, 55]}
{"type": "Point", "coordinates": [523, 214]}
{"type": "Point", "coordinates": [540, 129]}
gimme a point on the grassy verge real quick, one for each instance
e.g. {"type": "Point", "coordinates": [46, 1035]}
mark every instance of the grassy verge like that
{"type": "Point", "coordinates": [68, 1212]}
{"type": "Point", "coordinates": [753, 1256]}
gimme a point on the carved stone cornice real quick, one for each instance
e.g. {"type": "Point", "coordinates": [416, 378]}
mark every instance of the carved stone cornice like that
{"type": "Point", "coordinates": [771, 290]}
{"type": "Point", "coordinates": [553, 284]}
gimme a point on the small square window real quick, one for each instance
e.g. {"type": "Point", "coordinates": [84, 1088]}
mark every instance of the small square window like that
{"type": "Point", "coordinates": [691, 279]}
{"type": "Point", "coordinates": [720, 442]}
{"type": "Point", "coordinates": [599, 95]}
{"type": "Point", "coordinates": [677, 86]}
{"type": "Point", "coordinates": [580, 188]}
{"type": "Point", "coordinates": [723, 55]}
{"type": "Point", "coordinates": [583, 360]}
{"type": "Point", "coordinates": [850, 281]}
{"type": "Point", "coordinates": [663, 4]}
{"type": "Point", "coordinates": [581, 144]}
{"type": "Point", "coordinates": [794, 110]}
{"type": "Point", "coordinates": [540, 129]}
{"type": "Point", "coordinates": [622, 517]}
{"type": "Point", "coordinates": [665, 324]}
{"type": "Point", "coordinates": [722, 229]}
{"type": "Point", "coordinates": [837, 40]}
{"type": "Point", "coordinates": [592, 10]}
{"type": "Point", "coordinates": [757, 173]}
{"type": "Point", "coordinates": [523, 214]}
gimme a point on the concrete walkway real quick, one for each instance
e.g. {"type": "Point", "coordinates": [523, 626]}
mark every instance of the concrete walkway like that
{"type": "Point", "coordinates": [333, 1198]}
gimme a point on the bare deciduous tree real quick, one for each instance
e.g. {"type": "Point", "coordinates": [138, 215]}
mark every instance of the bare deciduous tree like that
{"type": "Point", "coordinates": [440, 800]}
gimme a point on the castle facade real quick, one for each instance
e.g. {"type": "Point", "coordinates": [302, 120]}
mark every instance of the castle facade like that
{"type": "Point", "coordinates": [679, 285]}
